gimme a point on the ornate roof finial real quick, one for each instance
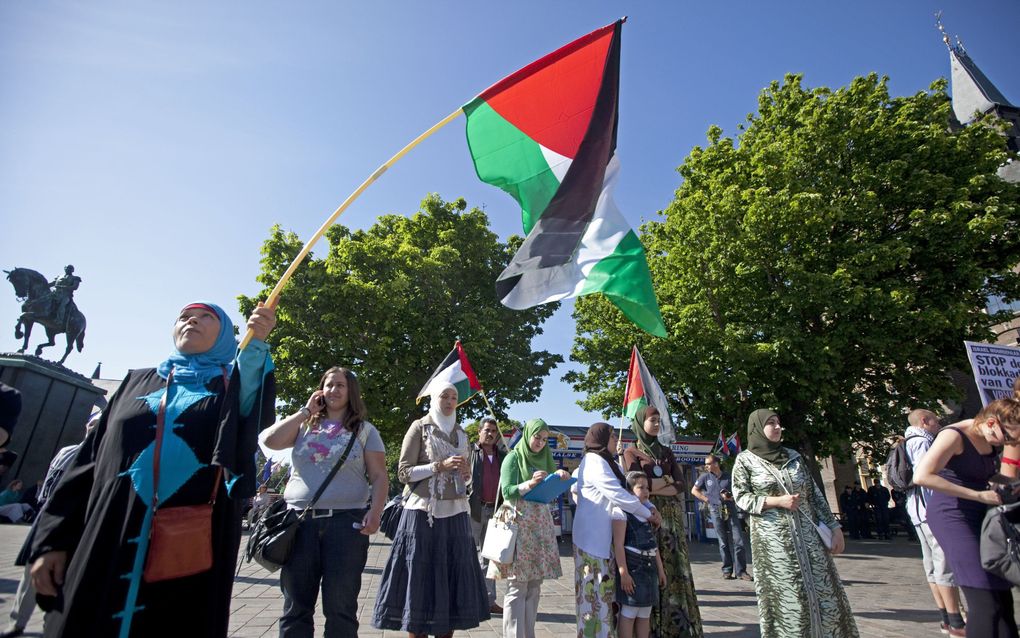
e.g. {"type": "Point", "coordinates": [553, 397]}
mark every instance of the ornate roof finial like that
{"type": "Point", "coordinates": [942, 29]}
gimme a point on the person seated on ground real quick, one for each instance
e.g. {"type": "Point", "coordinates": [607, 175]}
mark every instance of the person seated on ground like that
{"type": "Point", "coordinates": [13, 492]}
{"type": "Point", "coordinates": [12, 510]}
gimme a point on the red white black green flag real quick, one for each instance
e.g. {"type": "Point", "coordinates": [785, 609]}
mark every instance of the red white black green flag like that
{"type": "Point", "coordinates": [642, 391]}
{"type": "Point", "coordinates": [455, 369]}
{"type": "Point", "coordinates": [547, 136]}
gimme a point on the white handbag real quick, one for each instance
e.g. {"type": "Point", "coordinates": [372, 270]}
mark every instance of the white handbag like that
{"type": "Point", "coordinates": [500, 537]}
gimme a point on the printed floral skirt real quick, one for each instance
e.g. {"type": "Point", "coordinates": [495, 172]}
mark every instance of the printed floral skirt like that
{"type": "Point", "coordinates": [537, 555]}
{"type": "Point", "coordinates": [676, 615]}
{"type": "Point", "coordinates": [594, 592]}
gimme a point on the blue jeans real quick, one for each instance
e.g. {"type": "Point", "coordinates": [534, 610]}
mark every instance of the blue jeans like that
{"type": "Point", "coordinates": [329, 550]}
{"type": "Point", "coordinates": [731, 540]}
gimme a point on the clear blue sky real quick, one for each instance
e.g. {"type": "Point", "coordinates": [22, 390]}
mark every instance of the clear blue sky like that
{"type": "Point", "coordinates": [152, 145]}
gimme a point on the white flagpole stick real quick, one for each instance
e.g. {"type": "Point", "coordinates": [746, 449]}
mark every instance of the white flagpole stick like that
{"type": "Point", "coordinates": [493, 415]}
{"type": "Point", "coordinates": [274, 296]}
{"type": "Point", "coordinates": [626, 393]}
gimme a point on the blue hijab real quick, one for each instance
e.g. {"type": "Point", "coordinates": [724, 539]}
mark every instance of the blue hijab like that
{"type": "Point", "coordinates": [201, 367]}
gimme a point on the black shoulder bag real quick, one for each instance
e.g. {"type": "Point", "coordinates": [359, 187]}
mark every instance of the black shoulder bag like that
{"type": "Point", "coordinates": [272, 537]}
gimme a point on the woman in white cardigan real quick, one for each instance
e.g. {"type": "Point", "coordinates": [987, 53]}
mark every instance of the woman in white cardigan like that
{"type": "Point", "coordinates": [600, 487]}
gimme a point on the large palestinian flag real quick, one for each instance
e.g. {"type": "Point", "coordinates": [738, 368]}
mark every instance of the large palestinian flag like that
{"type": "Point", "coordinates": [547, 136]}
{"type": "Point", "coordinates": [642, 391]}
{"type": "Point", "coordinates": [455, 369]}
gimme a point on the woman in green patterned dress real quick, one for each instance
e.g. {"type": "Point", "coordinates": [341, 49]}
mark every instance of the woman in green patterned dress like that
{"type": "Point", "coordinates": [537, 555]}
{"type": "Point", "coordinates": [677, 614]}
{"type": "Point", "coordinates": [799, 593]}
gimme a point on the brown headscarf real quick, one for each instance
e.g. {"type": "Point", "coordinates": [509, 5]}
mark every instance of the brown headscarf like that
{"type": "Point", "coordinates": [646, 442]}
{"type": "Point", "coordinates": [596, 440]}
{"type": "Point", "coordinates": [759, 444]}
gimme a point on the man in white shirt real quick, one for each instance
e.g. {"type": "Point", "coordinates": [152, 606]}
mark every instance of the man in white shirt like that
{"type": "Point", "coordinates": [920, 434]}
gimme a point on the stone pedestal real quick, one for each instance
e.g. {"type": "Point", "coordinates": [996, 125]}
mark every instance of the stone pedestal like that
{"type": "Point", "coordinates": [55, 404]}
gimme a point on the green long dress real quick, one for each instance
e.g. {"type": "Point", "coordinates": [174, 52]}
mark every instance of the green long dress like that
{"type": "Point", "coordinates": [677, 614]}
{"type": "Point", "coordinates": [799, 592]}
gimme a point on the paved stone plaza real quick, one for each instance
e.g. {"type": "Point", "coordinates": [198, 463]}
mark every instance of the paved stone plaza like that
{"type": "Point", "coordinates": [883, 581]}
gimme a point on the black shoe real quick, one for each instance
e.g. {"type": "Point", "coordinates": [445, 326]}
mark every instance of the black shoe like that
{"type": "Point", "coordinates": [12, 633]}
{"type": "Point", "coordinates": [729, 577]}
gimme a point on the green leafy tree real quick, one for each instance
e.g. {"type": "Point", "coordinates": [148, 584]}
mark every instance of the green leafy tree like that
{"type": "Point", "coordinates": [828, 264]}
{"type": "Point", "coordinates": [505, 428]}
{"type": "Point", "coordinates": [388, 302]}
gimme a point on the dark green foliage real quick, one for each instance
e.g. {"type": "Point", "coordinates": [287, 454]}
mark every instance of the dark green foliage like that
{"type": "Point", "coordinates": [827, 264]}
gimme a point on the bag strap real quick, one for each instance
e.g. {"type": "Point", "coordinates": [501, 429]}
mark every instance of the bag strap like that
{"type": "Point", "coordinates": [782, 481]}
{"type": "Point", "coordinates": [332, 473]}
{"type": "Point", "coordinates": [158, 450]}
{"type": "Point", "coordinates": [499, 497]}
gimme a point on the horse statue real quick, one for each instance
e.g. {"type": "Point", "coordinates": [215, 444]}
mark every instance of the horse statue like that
{"type": "Point", "coordinates": [54, 309]}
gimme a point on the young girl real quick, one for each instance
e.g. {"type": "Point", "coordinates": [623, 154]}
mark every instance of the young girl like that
{"type": "Point", "coordinates": [639, 564]}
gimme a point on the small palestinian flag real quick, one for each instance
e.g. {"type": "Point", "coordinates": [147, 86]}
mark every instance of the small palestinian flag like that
{"type": "Point", "coordinates": [455, 369]}
{"type": "Point", "coordinates": [547, 136]}
{"type": "Point", "coordinates": [643, 390]}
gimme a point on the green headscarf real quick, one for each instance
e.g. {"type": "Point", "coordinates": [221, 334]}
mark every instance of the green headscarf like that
{"type": "Point", "coordinates": [759, 444]}
{"type": "Point", "coordinates": [529, 461]}
{"type": "Point", "coordinates": [646, 442]}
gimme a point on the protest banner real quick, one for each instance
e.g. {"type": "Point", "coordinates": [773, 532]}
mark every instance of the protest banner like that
{"type": "Point", "coordinates": [995, 369]}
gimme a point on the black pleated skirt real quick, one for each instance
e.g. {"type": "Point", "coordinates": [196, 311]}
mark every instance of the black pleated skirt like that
{"type": "Point", "coordinates": [432, 583]}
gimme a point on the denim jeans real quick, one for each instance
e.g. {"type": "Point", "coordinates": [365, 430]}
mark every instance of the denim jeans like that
{"type": "Point", "coordinates": [329, 550]}
{"type": "Point", "coordinates": [731, 540]}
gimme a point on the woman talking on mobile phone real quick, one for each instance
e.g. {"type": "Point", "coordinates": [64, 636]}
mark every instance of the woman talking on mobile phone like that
{"type": "Point", "coordinates": [332, 541]}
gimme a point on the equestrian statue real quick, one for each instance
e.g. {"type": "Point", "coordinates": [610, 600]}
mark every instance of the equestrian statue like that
{"type": "Point", "coordinates": [50, 304]}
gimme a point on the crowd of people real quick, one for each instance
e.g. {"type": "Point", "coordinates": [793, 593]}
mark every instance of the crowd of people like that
{"type": "Point", "coordinates": [178, 440]}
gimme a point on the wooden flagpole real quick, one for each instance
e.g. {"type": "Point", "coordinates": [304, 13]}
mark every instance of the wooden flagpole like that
{"type": "Point", "coordinates": [274, 296]}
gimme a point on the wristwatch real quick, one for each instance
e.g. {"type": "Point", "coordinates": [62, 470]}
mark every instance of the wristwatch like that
{"type": "Point", "coordinates": [305, 411]}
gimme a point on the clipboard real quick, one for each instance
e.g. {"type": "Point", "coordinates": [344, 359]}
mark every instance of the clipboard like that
{"type": "Point", "coordinates": [549, 489]}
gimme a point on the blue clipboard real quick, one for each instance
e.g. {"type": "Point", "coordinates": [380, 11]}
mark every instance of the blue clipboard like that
{"type": "Point", "coordinates": [549, 489]}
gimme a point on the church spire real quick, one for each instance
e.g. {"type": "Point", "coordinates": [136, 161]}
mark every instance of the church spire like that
{"type": "Point", "coordinates": [973, 92]}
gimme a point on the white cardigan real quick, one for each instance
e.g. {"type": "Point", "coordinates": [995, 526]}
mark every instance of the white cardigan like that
{"type": "Point", "coordinates": [597, 491]}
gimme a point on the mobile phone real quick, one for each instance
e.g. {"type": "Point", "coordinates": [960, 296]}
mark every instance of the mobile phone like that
{"type": "Point", "coordinates": [320, 401]}
{"type": "Point", "coordinates": [358, 525]}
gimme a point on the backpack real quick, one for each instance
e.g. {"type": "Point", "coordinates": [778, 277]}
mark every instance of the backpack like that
{"type": "Point", "coordinates": [899, 471]}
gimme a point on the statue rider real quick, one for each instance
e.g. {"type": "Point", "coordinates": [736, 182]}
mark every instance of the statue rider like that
{"type": "Point", "coordinates": [63, 291]}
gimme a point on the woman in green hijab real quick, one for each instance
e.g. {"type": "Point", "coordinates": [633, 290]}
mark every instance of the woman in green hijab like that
{"type": "Point", "coordinates": [677, 614]}
{"type": "Point", "coordinates": [537, 556]}
{"type": "Point", "coordinates": [799, 592]}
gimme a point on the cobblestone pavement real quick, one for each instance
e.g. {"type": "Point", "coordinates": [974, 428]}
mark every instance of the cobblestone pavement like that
{"type": "Point", "coordinates": [883, 580]}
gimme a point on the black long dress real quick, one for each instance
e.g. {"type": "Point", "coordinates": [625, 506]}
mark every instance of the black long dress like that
{"type": "Point", "coordinates": [100, 513]}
